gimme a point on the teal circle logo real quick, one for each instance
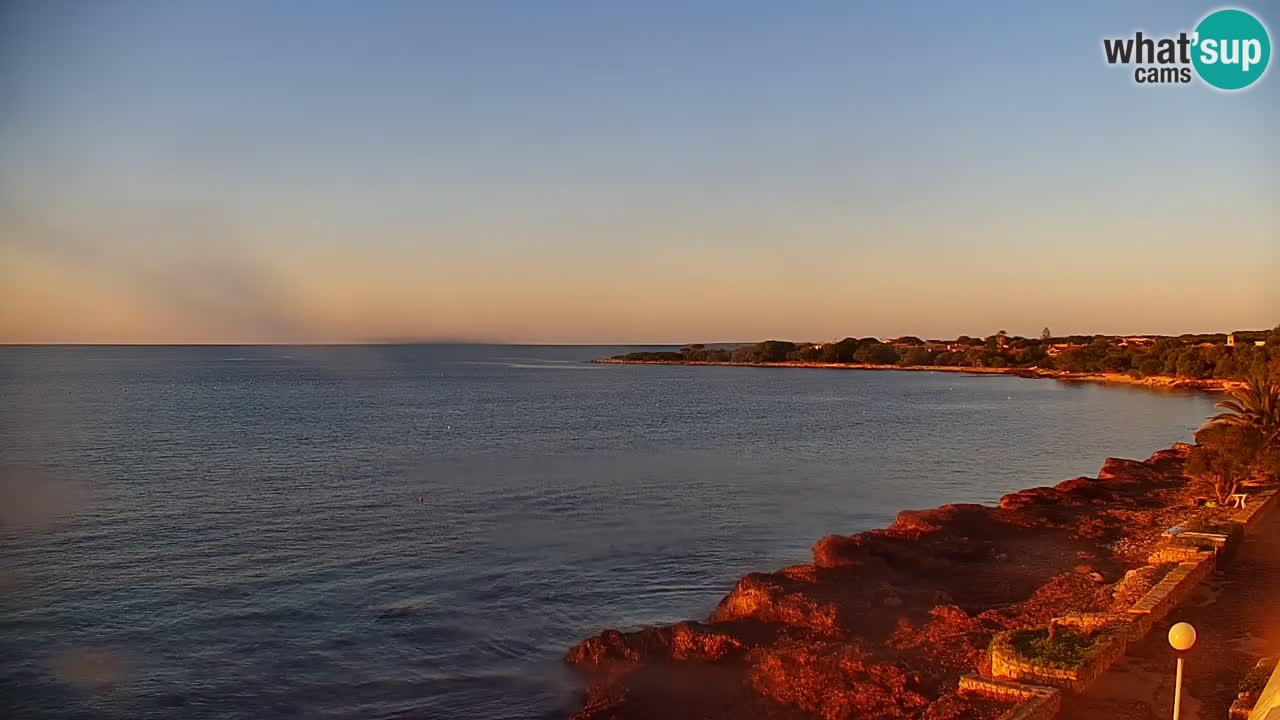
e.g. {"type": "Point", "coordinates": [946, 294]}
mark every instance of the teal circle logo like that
{"type": "Point", "coordinates": [1232, 49]}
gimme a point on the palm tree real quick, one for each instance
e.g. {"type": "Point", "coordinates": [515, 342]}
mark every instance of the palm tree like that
{"type": "Point", "coordinates": [1256, 405]}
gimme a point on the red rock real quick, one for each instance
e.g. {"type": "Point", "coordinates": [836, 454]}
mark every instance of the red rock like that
{"type": "Point", "coordinates": [837, 551]}
{"type": "Point", "coordinates": [774, 598]}
{"type": "Point", "coordinates": [1031, 496]}
{"type": "Point", "coordinates": [833, 681]}
{"type": "Point", "coordinates": [917, 522]}
{"type": "Point", "coordinates": [883, 622]}
{"type": "Point", "coordinates": [682, 641]}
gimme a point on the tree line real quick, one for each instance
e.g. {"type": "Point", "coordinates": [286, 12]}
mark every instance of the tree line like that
{"type": "Point", "coordinates": [1188, 356]}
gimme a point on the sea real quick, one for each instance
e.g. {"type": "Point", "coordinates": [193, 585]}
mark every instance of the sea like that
{"type": "Point", "coordinates": [422, 531]}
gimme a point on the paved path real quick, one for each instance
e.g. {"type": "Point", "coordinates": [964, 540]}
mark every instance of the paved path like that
{"type": "Point", "coordinates": [1237, 615]}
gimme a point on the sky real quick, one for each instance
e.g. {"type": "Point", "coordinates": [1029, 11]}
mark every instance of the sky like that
{"type": "Point", "coordinates": [586, 172]}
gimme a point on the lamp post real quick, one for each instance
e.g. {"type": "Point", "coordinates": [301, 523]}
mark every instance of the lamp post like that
{"type": "Point", "coordinates": [1181, 636]}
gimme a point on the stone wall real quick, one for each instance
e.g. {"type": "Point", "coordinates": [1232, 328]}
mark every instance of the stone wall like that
{"type": "Point", "coordinates": [1172, 589]}
{"type": "Point", "coordinates": [1259, 504]}
{"type": "Point", "coordinates": [1115, 631]}
{"type": "Point", "coordinates": [1035, 701]}
{"type": "Point", "coordinates": [1108, 646]}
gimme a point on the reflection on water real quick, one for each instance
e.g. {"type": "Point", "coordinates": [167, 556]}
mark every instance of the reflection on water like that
{"type": "Point", "coordinates": [422, 531]}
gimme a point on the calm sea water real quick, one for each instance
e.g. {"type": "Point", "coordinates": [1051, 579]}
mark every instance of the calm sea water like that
{"type": "Point", "coordinates": [421, 531]}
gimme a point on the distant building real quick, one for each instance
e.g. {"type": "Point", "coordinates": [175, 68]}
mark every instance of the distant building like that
{"type": "Point", "coordinates": [1232, 340]}
{"type": "Point", "coordinates": [1059, 348]}
{"type": "Point", "coordinates": [1137, 341]}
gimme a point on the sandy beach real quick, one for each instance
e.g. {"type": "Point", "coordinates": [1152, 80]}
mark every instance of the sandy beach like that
{"type": "Point", "coordinates": [1156, 382]}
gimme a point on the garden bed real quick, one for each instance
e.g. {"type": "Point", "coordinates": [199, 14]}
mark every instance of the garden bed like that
{"type": "Point", "coordinates": [1215, 532]}
{"type": "Point", "coordinates": [1072, 660]}
{"type": "Point", "coordinates": [1068, 654]}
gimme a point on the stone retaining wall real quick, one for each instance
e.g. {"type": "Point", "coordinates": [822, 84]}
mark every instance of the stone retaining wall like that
{"type": "Point", "coordinates": [1259, 504]}
{"type": "Point", "coordinates": [1108, 646]}
{"type": "Point", "coordinates": [1171, 590]}
{"type": "Point", "coordinates": [1037, 702]}
{"type": "Point", "coordinates": [1115, 631]}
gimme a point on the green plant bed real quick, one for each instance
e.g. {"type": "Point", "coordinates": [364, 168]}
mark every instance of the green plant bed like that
{"type": "Point", "coordinates": [1251, 686]}
{"type": "Point", "coordinates": [1233, 531]}
{"type": "Point", "coordinates": [1072, 657]}
{"type": "Point", "coordinates": [1067, 649]}
{"type": "Point", "coordinates": [1199, 543]}
{"type": "Point", "coordinates": [1182, 548]}
{"type": "Point", "coordinates": [1256, 679]}
{"type": "Point", "coordinates": [1215, 526]}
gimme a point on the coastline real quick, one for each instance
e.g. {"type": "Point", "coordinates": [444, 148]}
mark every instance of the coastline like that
{"type": "Point", "coordinates": [1161, 382]}
{"type": "Point", "coordinates": [885, 623]}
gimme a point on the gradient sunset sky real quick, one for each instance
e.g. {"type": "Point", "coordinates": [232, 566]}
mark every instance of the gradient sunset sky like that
{"type": "Point", "coordinates": [642, 172]}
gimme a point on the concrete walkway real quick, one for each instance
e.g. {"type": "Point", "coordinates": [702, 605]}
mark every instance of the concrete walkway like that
{"type": "Point", "coordinates": [1237, 615]}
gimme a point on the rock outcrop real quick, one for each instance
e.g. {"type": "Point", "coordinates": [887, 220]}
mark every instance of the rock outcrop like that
{"type": "Point", "coordinates": [883, 622]}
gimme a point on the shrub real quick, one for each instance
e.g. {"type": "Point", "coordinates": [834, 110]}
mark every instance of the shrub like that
{"type": "Point", "coordinates": [1256, 679]}
{"type": "Point", "coordinates": [1224, 457]}
{"type": "Point", "coordinates": [1199, 543]}
{"type": "Point", "coordinates": [1215, 526]}
{"type": "Point", "coordinates": [1065, 648]}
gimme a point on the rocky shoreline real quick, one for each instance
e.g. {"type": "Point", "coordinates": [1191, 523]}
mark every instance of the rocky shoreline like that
{"type": "Point", "coordinates": [1156, 382]}
{"type": "Point", "coordinates": [882, 624]}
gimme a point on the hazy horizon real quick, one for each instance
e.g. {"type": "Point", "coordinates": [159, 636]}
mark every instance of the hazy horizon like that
{"type": "Point", "coordinates": [566, 173]}
{"type": "Point", "coordinates": [506, 343]}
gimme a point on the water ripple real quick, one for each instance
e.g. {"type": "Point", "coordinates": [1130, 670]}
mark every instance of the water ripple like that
{"type": "Point", "coordinates": [421, 532]}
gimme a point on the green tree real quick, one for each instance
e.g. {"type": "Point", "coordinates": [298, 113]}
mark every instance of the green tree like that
{"type": "Point", "coordinates": [840, 352]}
{"type": "Point", "coordinates": [1225, 455]}
{"type": "Point", "coordinates": [1150, 366]}
{"type": "Point", "coordinates": [917, 356]}
{"type": "Point", "coordinates": [1256, 405]}
{"type": "Point", "coordinates": [1045, 335]}
{"type": "Point", "coordinates": [1115, 361]}
{"type": "Point", "coordinates": [1190, 364]}
{"type": "Point", "coordinates": [805, 353]}
{"type": "Point", "coordinates": [767, 351]}
{"type": "Point", "coordinates": [1073, 360]}
{"type": "Point", "coordinates": [876, 354]}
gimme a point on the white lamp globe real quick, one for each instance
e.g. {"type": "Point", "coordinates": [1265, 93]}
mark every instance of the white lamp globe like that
{"type": "Point", "coordinates": [1182, 636]}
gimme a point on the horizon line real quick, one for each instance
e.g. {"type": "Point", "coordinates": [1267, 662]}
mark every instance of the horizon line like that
{"type": "Point", "coordinates": [499, 343]}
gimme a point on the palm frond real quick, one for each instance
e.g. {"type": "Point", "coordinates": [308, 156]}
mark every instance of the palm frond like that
{"type": "Point", "coordinates": [1257, 405]}
{"type": "Point", "coordinates": [1232, 406]}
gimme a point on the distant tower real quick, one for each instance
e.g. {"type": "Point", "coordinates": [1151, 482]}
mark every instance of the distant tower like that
{"type": "Point", "coordinates": [1231, 340]}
